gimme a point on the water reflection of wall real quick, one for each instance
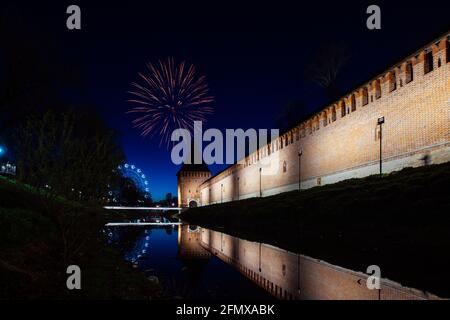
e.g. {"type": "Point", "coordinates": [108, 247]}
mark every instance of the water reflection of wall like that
{"type": "Point", "coordinates": [290, 276]}
{"type": "Point", "coordinates": [340, 143]}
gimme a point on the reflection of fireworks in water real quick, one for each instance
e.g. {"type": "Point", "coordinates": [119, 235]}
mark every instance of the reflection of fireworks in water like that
{"type": "Point", "coordinates": [169, 97]}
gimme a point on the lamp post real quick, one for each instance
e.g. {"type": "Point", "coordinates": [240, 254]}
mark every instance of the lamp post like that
{"type": "Point", "coordinates": [260, 256]}
{"type": "Point", "coordinates": [221, 193]}
{"type": "Point", "coordinates": [260, 183]}
{"type": "Point", "coordinates": [300, 153]}
{"type": "Point", "coordinates": [298, 273]}
{"type": "Point", "coordinates": [380, 123]}
{"type": "Point", "coordinates": [237, 187]}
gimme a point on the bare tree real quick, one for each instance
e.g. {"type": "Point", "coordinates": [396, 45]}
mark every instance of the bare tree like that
{"type": "Point", "coordinates": [325, 67]}
{"type": "Point", "coordinates": [290, 115]}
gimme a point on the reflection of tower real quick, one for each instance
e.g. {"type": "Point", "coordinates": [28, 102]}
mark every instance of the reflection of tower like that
{"type": "Point", "coordinates": [189, 247]}
{"type": "Point", "coordinates": [190, 177]}
{"type": "Point", "coordinates": [193, 257]}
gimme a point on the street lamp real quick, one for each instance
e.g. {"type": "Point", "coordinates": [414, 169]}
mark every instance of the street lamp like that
{"type": "Point", "coordinates": [260, 183]}
{"type": "Point", "coordinates": [221, 193]}
{"type": "Point", "coordinates": [300, 153]}
{"type": "Point", "coordinates": [380, 123]}
{"type": "Point", "coordinates": [260, 256]}
{"type": "Point", "coordinates": [237, 187]}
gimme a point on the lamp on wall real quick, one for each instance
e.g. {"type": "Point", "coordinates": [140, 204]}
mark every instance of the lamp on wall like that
{"type": "Point", "coordinates": [260, 183]}
{"type": "Point", "coordinates": [380, 123]}
{"type": "Point", "coordinates": [237, 179]}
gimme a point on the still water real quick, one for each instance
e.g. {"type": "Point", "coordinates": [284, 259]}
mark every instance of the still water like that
{"type": "Point", "coordinates": [198, 263]}
{"type": "Point", "coordinates": [173, 255]}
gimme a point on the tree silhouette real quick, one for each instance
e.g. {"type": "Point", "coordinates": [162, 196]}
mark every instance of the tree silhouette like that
{"type": "Point", "coordinates": [68, 154]}
{"type": "Point", "coordinates": [290, 115]}
{"type": "Point", "coordinates": [325, 67]}
{"type": "Point", "coordinates": [130, 194]}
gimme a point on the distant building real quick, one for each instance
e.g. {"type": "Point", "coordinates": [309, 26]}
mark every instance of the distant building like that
{"type": "Point", "coordinates": [7, 168]}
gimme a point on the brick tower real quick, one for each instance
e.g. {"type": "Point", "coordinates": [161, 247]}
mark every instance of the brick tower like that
{"type": "Point", "coordinates": [190, 177]}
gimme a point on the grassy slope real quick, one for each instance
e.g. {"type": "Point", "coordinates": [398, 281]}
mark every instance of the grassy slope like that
{"type": "Point", "coordinates": [400, 222]}
{"type": "Point", "coordinates": [31, 263]}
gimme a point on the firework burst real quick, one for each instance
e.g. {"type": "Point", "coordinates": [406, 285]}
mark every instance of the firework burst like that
{"type": "Point", "coordinates": [169, 97]}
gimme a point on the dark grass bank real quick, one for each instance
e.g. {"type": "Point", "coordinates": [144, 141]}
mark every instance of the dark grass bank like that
{"type": "Point", "coordinates": [41, 235]}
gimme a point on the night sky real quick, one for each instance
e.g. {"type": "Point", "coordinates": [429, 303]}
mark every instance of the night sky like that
{"type": "Point", "coordinates": [253, 57]}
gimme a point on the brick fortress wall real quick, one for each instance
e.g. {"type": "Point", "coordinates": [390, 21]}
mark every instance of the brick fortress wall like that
{"type": "Point", "coordinates": [342, 141]}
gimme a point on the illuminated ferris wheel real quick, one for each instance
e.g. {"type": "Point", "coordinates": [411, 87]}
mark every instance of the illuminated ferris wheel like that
{"type": "Point", "coordinates": [137, 176]}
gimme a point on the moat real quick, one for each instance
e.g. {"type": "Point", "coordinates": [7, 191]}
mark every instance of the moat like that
{"type": "Point", "coordinates": [191, 262]}
{"type": "Point", "coordinates": [185, 270]}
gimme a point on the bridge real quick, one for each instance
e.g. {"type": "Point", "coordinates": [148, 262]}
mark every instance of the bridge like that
{"type": "Point", "coordinates": [143, 223]}
{"type": "Point", "coordinates": [143, 208]}
{"type": "Point", "coordinates": [128, 224]}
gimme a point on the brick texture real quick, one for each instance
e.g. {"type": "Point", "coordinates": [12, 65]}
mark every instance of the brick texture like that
{"type": "Point", "coordinates": [290, 276]}
{"type": "Point", "coordinates": [336, 147]}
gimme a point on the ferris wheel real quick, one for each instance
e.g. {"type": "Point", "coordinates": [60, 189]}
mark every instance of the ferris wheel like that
{"type": "Point", "coordinates": [137, 176]}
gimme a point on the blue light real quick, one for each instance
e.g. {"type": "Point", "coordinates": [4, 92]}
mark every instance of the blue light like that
{"type": "Point", "coordinates": [2, 150]}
